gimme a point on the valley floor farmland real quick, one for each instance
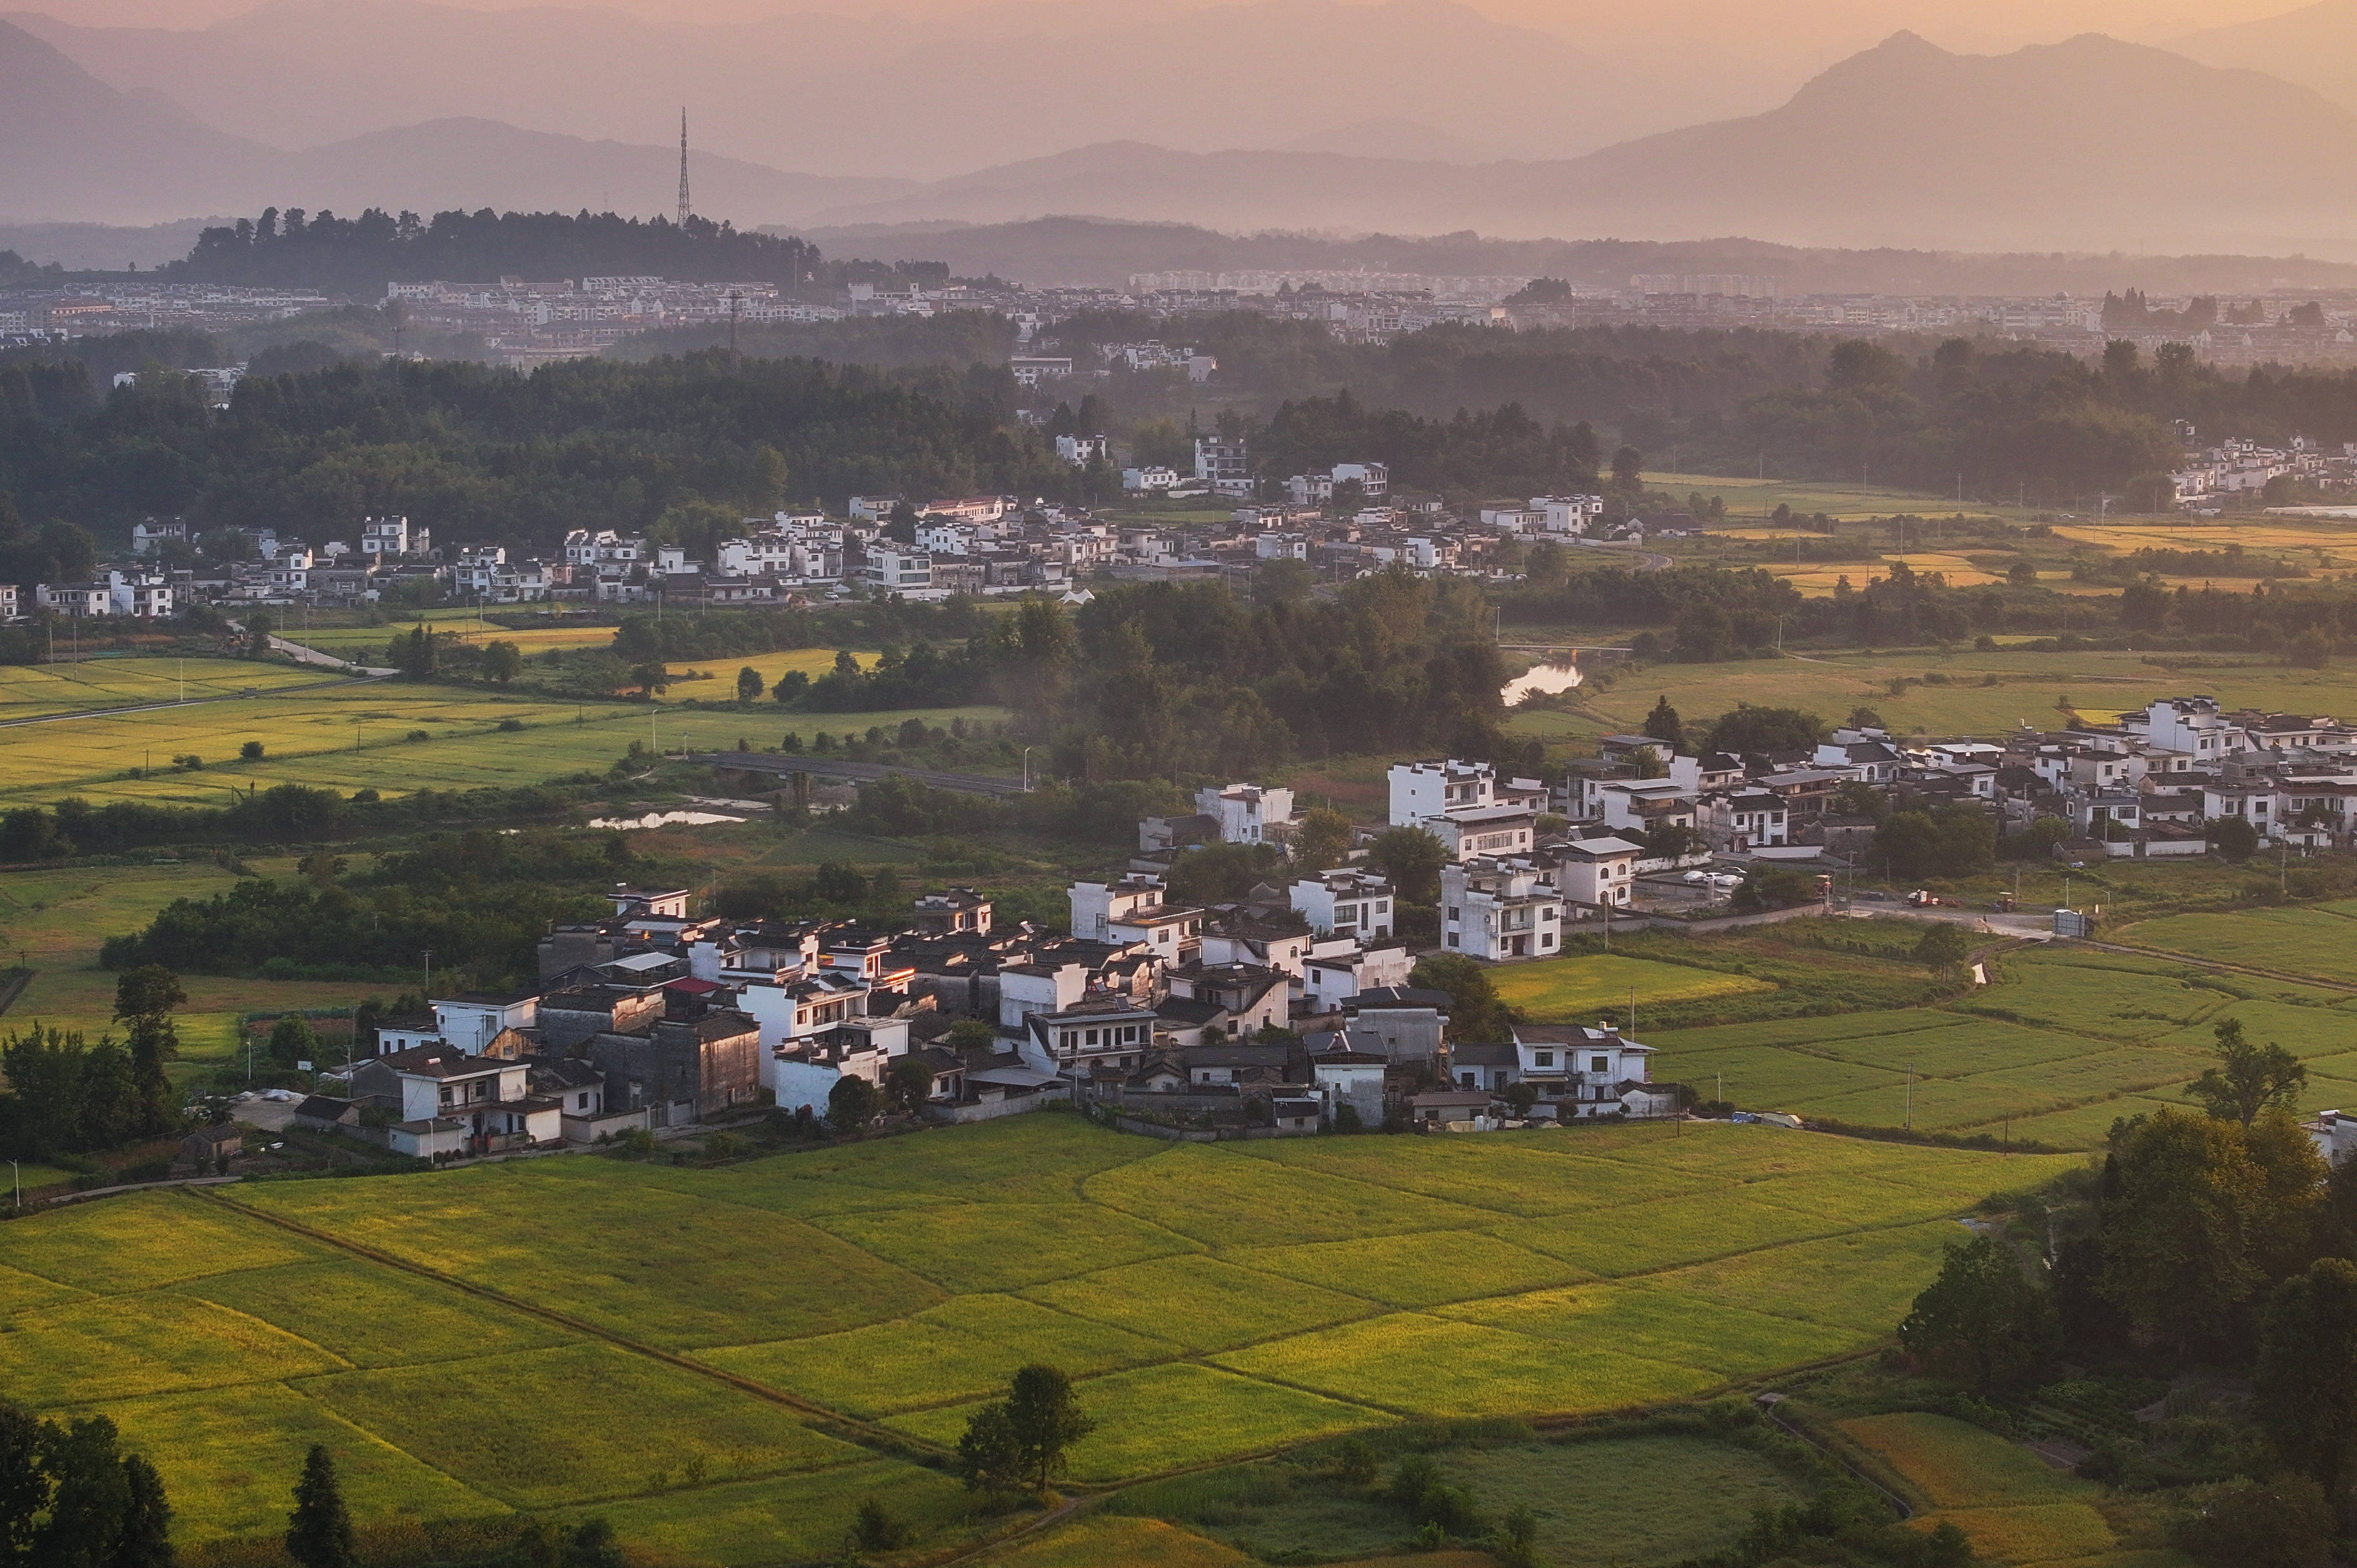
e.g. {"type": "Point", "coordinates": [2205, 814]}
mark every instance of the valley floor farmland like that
{"type": "Point", "coordinates": [390, 736]}
{"type": "Point", "coordinates": [1215, 1302]}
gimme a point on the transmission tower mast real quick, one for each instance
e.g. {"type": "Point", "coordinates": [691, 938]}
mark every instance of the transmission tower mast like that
{"type": "Point", "coordinates": [683, 168]}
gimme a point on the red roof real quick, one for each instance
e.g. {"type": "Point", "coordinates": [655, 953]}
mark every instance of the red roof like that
{"type": "Point", "coordinates": [692, 987]}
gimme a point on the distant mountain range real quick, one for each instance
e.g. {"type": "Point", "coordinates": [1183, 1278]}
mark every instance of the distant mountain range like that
{"type": "Point", "coordinates": [2087, 144]}
{"type": "Point", "coordinates": [2315, 46]}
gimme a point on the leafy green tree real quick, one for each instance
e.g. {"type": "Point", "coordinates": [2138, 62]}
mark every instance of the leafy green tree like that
{"type": "Point", "coordinates": [292, 1040]}
{"type": "Point", "coordinates": [2285, 1522]}
{"type": "Point", "coordinates": [852, 1103]}
{"type": "Point", "coordinates": [2234, 838]}
{"type": "Point", "coordinates": [1664, 724]}
{"type": "Point", "coordinates": [1412, 858]}
{"type": "Point", "coordinates": [1321, 838]}
{"type": "Point", "coordinates": [876, 1528]}
{"type": "Point", "coordinates": [972, 1034]}
{"type": "Point", "coordinates": [319, 1531]}
{"type": "Point", "coordinates": [2178, 1226]}
{"type": "Point", "coordinates": [1982, 1315]}
{"type": "Point", "coordinates": [990, 1456]}
{"type": "Point", "coordinates": [144, 1000]}
{"type": "Point", "coordinates": [748, 684]}
{"type": "Point", "coordinates": [2248, 1079]}
{"type": "Point", "coordinates": [25, 1485]}
{"type": "Point", "coordinates": [91, 1501]}
{"type": "Point", "coordinates": [2306, 1383]}
{"type": "Point", "coordinates": [1475, 1010]}
{"type": "Point", "coordinates": [502, 660]}
{"type": "Point", "coordinates": [1046, 1419]}
{"type": "Point", "coordinates": [146, 1539]}
{"type": "Point", "coordinates": [1942, 948]}
{"type": "Point", "coordinates": [908, 1084]}
{"type": "Point", "coordinates": [651, 677]}
{"type": "Point", "coordinates": [1750, 731]}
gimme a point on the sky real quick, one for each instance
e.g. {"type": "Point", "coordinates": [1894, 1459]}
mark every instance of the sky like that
{"type": "Point", "coordinates": [1828, 24]}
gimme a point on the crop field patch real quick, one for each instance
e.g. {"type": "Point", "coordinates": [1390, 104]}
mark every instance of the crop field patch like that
{"type": "Point", "coordinates": [1200, 1303]}
{"type": "Point", "coordinates": [114, 1245]}
{"type": "Point", "coordinates": [1177, 1414]}
{"type": "Point", "coordinates": [644, 1261]}
{"type": "Point", "coordinates": [1034, 1160]}
{"type": "Point", "coordinates": [1113, 1538]}
{"type": "Point", "coordinates": [1937, 1104]}
{"type": "Point", "coordinates": [2292, 941]}
{"type": "Point", "coordinates": [1227, 1202]}
{"type": "Point", "coordinates": [21, 1291]}
{"type": "Point", "coordinates": [963, 1349]}
{"type": "Point", "coordinates": [1643, 1237]}
{"type": "Point", "coordinates": [1623, 1500]}
{"type": "Point", "coordinates": [548, 1428]}
{"type": "Point", "coordinates": [1813, 1032]}
{"type": "Point", "coordinates": [1413, 1361]}
{"type": "Point", "coordinates": [1980, 1045]}
{"type": "Point", "coordinates": [118, 1347]}
{"type": "Point", "coordinates": [2086, 1126]}
{"type": "Point", "coordinates": [28, 690]}
{"type": "Point", "coordinates": [2125, 1069]}
{"type": "Point", "coordinates": [1002, 1246]}
{"type": "Point", "coordinates": [373, 1316]}
{"type": "Point", "coordinates": [1421, 1269]}
{"type": "Point", "coordinates": [1765, 1077]}
{"type": "Point", "coordinates": [1510, 1172]}
{"type": "Point", "coordinates": [1865, 1280]}
{"type": "Point", "coordinates": [243, 1487]}
{"type": "Point", "coordinates": [2104, 1001]}
{"type": "Point", "coordinates": [1957, 1464]}
{"type": "Point", "coordinates": [1659, 1325]}
{"type": "Point", "coordinates": [2305, 1032]}
{"type": "Point", "coordinates": [795, 1519]}
{"type": "Point", "coordinates": [1579, 990]}
{"type": "Point", "coordinates": [2034, 1533]}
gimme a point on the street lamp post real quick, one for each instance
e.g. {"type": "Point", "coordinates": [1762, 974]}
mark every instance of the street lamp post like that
{"type": "Point", "coordinates": [1027, 767]}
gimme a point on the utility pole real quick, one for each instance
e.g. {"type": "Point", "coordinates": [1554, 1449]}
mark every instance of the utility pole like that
{"type": "Point", "coordinates": [429, 976]}
{"type": "Point", "coordinates": [1910, 1096]}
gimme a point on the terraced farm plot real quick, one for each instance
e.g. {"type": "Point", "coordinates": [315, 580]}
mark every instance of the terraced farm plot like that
{"type": "Point", "coordinates": [647, 1263]}
{"type": "Point", "coordinates": [229, 1457]}
{"type": "Point", "coordinates": [1002, 1246]}
{"type": "Point", "coordinates": [577, 1424]}
{"type": "Point", "coordinates": [1200, 1303]}
{"type": "Point", "coordinates": [2311, 1033]}
{"type": "Point", "coordinates": [961, 1350]}
{"type": "Point", "coordinates": [1413, 1362]}
{"type": "Point", "coordinates": [1662, 1326]}
{"type": "Point", "coordinates": [1211, 1301]}
{"type": "Point", "coordinates": [2095, 999]}
{"type": "Point", "coordinates": [1145, 1543]}
{"type": "Point", "coordinates": [29, 690]}
{"type": "Point", "coordinates": [358, 734]}
{"type": "Point", "coordinates": [1425, 1269]}
{"type": "Point", "coordinates": [116, 1348]}
{"type": "Point", "coordinates": [373, 1316]}
{"type": "Point", "coordinates": [1581, 990]}
{"type": "Point", "coordinates": [2293, 941]}
{"type": "Point", "coordinates": [1171, 1416]}
{"type": "Point", "coordinates": [2013, 1507]}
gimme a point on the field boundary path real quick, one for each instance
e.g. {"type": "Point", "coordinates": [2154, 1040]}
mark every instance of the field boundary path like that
{"type": "Point", "coordinates": [855, 772]}
{"type": "Point", "coordinates": [364, 676]}
{"type": "Point", "coordinates": [2287, 976]}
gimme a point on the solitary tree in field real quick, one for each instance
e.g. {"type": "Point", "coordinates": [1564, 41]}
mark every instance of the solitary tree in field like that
{"type": "Point", "coordinates": [319, 1532]}
{"type": "Point", "coordinates": [2248, 1079]}
{"type": "Point", "coordinates": [1942, 948]}
{"type": "Point", "coordinates": [1664, 724]}
{"type": "Point", "coordinates": [748, 683]}
{"type": "Point", "coordinates": [1046, 1419]}
{"type": "Point", "coordinates": [502, 660]}
{"type": "Point", "coordinates": [989, 1457]}
{"type": "Point", "coordinates": [144, 999]}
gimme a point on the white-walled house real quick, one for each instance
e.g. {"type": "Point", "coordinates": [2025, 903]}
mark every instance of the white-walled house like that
{"type": "Point", "coordinates": [1439, 788]}
{"type": "Point", "coordinates": [1601, 872]}
{"type": "Point", "coordinates": [474, 1019]}
{"type": "Point", "coordinates": [1592, 1072]}
{"type": "Point", "coordinates": [1338, 969]}
{"type": "Point", "coordinates": [1345, 902]}
{"type": "Point", "coordinates": [1247, 813]}
{"type": "Point", "coordinates": [1486, 830]}
{"type": "Point", "coordinates": [1499, 910]}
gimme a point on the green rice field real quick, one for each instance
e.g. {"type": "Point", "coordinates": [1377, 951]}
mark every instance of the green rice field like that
{"type": "Point", "coordinates": [29, 690]}
{"type": "Point", "coordinates": [1210, 1306]}
{"type": "Point", "coordinates": [1582, 989]}
{"type": "Point", "coordinates": [388, 737]}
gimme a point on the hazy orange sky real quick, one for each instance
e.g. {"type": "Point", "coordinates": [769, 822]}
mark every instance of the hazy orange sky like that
{"type": "Point", "coordinates": [1958, 24]}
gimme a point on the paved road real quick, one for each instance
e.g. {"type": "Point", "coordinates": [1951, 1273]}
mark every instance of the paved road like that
{"type": "Point", "coordinates": [856, 772]}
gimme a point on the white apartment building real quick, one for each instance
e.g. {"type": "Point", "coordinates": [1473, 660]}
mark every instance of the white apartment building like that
{"type": "Point", "coordinates": [892, 569]}
{"type": "Point", "coordinates": [2195, 726]}
{"type": "Point", "coordinates": [384, 537]}
{"type": "Point", "coordinates": [1247, 813]}
{"type": "Point", "coordinates": [1132, 909]}
{"type": "Point", "coordinates": [1345, 902]}
{"type": "Point", "coordinates": [1486, 832]}
{"type": "Point", "coordinates": [1338, 968]}
{"type": "Point", "coordinates": [79, 600]}
{"type": "Point", "coordinates": [1080, 451]}
{"type": "Point", "coordinates": [1422, 790]}
{"type": "Point", "coordinates": [142, 594]}
{"type": "Point", "coordinates": [1499, 910]}
{"type": "Point", "coordinates": [1225, 466]}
